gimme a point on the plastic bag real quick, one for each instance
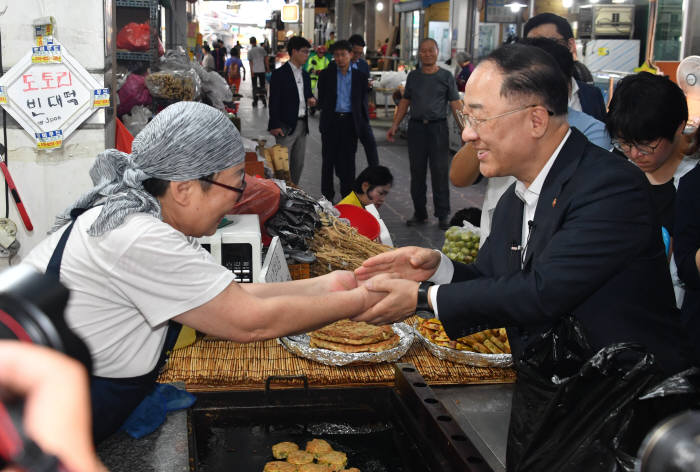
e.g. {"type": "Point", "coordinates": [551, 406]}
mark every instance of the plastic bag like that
{"type": "Point", "coordinates": [177, 62]}
{"type": "Point", "coordinates": [134, 37]}
{"type": "Point", "coordinates": [216, 89]}
{"type": "Point", "coordinates": [578, 410]}
{"type": "Point", "coordinates": [262, 198]}
{"type": "Point", "coordinates": [462, 243]}
{"type": "Point", "coordinates": [137, 119]}
{"type": "Point", "coordinates": [133, 92]}
{"type": "Point", "coordinates": [391, 80]}
{"type": "Point", "coordinates": [173, 85]}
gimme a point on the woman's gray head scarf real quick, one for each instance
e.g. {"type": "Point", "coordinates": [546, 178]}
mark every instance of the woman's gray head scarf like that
{"type": "Point", "coordinates": [185, 141]}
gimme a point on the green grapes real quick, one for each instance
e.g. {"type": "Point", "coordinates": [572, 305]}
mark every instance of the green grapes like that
{"type": "Point", "coordinates": [461, 245]}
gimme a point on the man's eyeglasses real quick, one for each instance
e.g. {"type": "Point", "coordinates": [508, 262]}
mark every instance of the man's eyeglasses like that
{"type": "Point", "coordinates": [626, 148]}
{"type": "Point", "coordinates": [474, 122]}
{"type": "Point", "coordinates": [238, 190]}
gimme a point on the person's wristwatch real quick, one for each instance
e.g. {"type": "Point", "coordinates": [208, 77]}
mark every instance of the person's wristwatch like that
{"type": "Point", "coordinates": [422, 306]}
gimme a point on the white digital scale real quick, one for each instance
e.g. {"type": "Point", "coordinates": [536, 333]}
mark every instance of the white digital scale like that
{"type": "Point", "coordinates": [238, 247]}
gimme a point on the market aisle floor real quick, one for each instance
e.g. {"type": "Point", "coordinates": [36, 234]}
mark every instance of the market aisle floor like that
{"type": "Point", "coordinates": [398, 206]}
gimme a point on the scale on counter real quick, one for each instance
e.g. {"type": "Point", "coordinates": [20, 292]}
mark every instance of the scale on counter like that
{"type": "Point", "coordinates": [237, 246]}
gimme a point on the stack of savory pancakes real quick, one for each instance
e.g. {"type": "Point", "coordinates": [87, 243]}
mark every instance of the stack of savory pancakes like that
{"type": "Point", "coordinates": [354, 336]}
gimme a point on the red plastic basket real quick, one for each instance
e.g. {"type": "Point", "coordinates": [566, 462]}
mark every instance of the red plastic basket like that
{"type": "Point", "coordinates": [366, 224]}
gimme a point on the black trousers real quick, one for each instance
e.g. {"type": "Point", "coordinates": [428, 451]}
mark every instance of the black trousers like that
{"type": "Point", "coordinates": [338, 148]}
{"type": "Point", "coordinates": [259, 85]}
{"type": "Point", "coordinates": [428, 145]}
{"type": "Point", "coordinates": [366, 136]}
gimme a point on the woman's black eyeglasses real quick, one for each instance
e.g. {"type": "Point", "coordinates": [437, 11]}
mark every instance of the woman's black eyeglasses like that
{"type": "Point", "coordinates": [238, 190]}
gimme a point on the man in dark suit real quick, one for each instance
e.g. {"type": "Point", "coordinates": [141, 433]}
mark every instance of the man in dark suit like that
{"type": "Point", "coordinates": [576, 233]}
{"type": "Point", "coordinates": [342, 93]}
{"type": "Point", "coordinates": [366, 135]}
{"type": "Point", "coordinates": [290, 99]}
{"type": "Point", "coordinates": [584, 97]}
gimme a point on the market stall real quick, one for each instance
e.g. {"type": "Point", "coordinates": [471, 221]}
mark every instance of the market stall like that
{"type": "Point", "coordinates": [243, 387]}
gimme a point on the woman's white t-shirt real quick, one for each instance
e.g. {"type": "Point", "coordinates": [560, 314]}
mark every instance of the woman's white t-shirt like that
{"type": "Point", "coordinates": [127, 284]}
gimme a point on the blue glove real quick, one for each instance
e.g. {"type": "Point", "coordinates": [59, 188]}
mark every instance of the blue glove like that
{"type": "Point", "coordinates": [151, 412]}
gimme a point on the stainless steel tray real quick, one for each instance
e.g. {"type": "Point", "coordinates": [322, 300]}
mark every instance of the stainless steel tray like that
{"type": "Point", "coordinates": [464, 357]}
{"type": "Point", "coordinates": [299, 345]}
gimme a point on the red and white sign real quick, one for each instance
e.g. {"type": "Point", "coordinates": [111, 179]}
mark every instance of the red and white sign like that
{"type": "Point", "coordinates": [47, 98]}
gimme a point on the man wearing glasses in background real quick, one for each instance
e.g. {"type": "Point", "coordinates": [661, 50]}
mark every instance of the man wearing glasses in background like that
{"type": "Point", "coordinates": [290, 100]}
{"type": "Point", "coordinates": [127, 251]}
{"type": "Point", "coordinates": [574, 235]}
{"type": "Point", "coordinates": [649, 133]}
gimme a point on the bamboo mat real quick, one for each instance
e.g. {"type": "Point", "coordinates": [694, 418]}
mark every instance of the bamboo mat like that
{"type": "Point", "coordinates": [213, 364]}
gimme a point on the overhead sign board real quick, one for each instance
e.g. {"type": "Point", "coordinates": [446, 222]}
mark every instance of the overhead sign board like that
{"type": "Point", "coordinates": [290, 13]}
{"type": "Point", "coordinates": [50, 99]}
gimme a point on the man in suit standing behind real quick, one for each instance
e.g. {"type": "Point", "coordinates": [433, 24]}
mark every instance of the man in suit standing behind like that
{"type": "Point", "coordinates": [290, 99]}
{"type": "Point", "coordinates": [342, 92]}
{"type": "Point", "coordinates": [584, 97]}
{"type": "Point", "coordinates": [574, 235]}
{"type": "Point", "coordinates": [366, 135]}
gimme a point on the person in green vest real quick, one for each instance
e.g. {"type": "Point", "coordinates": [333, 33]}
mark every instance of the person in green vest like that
{"type": "Point", "coordinates": [316, 62]}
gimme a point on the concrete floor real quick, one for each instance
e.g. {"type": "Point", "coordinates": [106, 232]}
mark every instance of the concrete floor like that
{"type": "Point", "coordinates": [398, 206]}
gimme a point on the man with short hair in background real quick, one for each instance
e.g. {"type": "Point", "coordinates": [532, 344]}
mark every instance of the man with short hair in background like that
{"type": "Point", "coordinates": [366, 135]}
{"type": "Point", "coordinates": [258, 67]}
{"type": "Point", "coordinates": [290, 100]}
{"type": "Point", "coordinates": [584, 97]}
{"type": "Point", "coordinates": [428, 91]}
{"type": "Point", "coordinates": [342, 92]}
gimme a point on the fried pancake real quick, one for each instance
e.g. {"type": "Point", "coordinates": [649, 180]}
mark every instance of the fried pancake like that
{"type": "Point", "coordinates": [281, 450]}
{"type": "Point", "coordinates": [315, 468]}
{"type": "Point", "coordinates": [317, 447]}
{"type": "Point", "coordinates": [300, 457]}
{"type": "Point", "coordinates": [279, 466]}
{"type": "Point", "coordinates": [336, 459]}
{"type": "Point", "coordinates": [351, 469]}
{"type": "Point", "coordinates": [374, 347]}
{"type": "Point", "coordinates": [353, 332]}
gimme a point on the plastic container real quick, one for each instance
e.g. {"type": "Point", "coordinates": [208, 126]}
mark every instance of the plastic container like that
{"type": "Point", "coordinates": [366, 224]}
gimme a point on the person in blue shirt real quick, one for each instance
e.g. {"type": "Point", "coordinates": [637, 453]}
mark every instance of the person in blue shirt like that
{"type": "Point", "coordinates": [366, 135]}
{"type": "Point", "coordinates": [342, 93]}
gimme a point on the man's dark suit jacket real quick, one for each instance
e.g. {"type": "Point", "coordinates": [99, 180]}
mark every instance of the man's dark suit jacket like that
{"type": "Point", "coordinates": [591, 99]}
{"type": "Point", "coordinates": [328, 94]}
{"type": "Point", "coordinates": [686, 240]}
{"type": "Point", "coordinates": [284, 98]}
{"type": "Point", "coordinates": [595, 251]}
{"type": "Point", "coordinates": [363, 67]}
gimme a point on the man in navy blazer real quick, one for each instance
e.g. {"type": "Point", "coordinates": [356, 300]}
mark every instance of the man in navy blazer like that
{"type": "Point", "coordinates": [575, 235]}
{"type": "Point", "coordinates": [290, 99]}
{"type": "Point", "coordinates": [584, 97]}
{"type": "Point", "coordinates": [342, 92]}
{"type": "Point", "coordinates": [366, 135]}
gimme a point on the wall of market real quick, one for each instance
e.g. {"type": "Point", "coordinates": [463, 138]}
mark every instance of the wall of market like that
{"type": "Point", "coordinates": [48, 181]}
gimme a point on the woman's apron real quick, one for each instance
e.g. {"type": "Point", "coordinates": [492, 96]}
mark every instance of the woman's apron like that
{"type": "Point", "coordinates": [113, 399]}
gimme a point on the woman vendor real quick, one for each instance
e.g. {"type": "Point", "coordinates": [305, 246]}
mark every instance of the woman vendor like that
{"type": "Point", "coordinates": [370, 187]}
{"type": "Point", "coordinates": [127, 251]}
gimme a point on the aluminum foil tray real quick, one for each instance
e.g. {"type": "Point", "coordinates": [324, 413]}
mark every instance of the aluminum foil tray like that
{"type": "Point", "coordinates": [299, 345]}
{"type": "Point", "coordinates": [464, 357]}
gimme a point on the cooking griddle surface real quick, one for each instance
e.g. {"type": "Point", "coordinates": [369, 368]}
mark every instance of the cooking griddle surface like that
{"type": "Point", "coordinates": [367, 425]}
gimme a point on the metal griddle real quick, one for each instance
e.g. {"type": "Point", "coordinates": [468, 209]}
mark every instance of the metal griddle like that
{"type": "Point", "coordinates": [402, 428]}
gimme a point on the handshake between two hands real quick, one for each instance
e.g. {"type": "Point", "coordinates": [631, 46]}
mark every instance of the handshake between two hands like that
{"type": "Point", "coordinates": [390, 281]}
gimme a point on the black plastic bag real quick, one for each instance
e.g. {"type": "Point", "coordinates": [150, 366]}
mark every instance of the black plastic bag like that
{"type": "Point", "coordinates": [574, 409]}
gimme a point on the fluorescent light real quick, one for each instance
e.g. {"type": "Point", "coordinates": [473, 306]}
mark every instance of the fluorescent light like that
{"type": "Point", "coordinates": [515, 6]}
{"type": "Point", "coordinates": [380, 6]}
{"type": "Point", "coordinates": [567, 3]}
{"type": "Point", "coordinates": [618, 1]}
